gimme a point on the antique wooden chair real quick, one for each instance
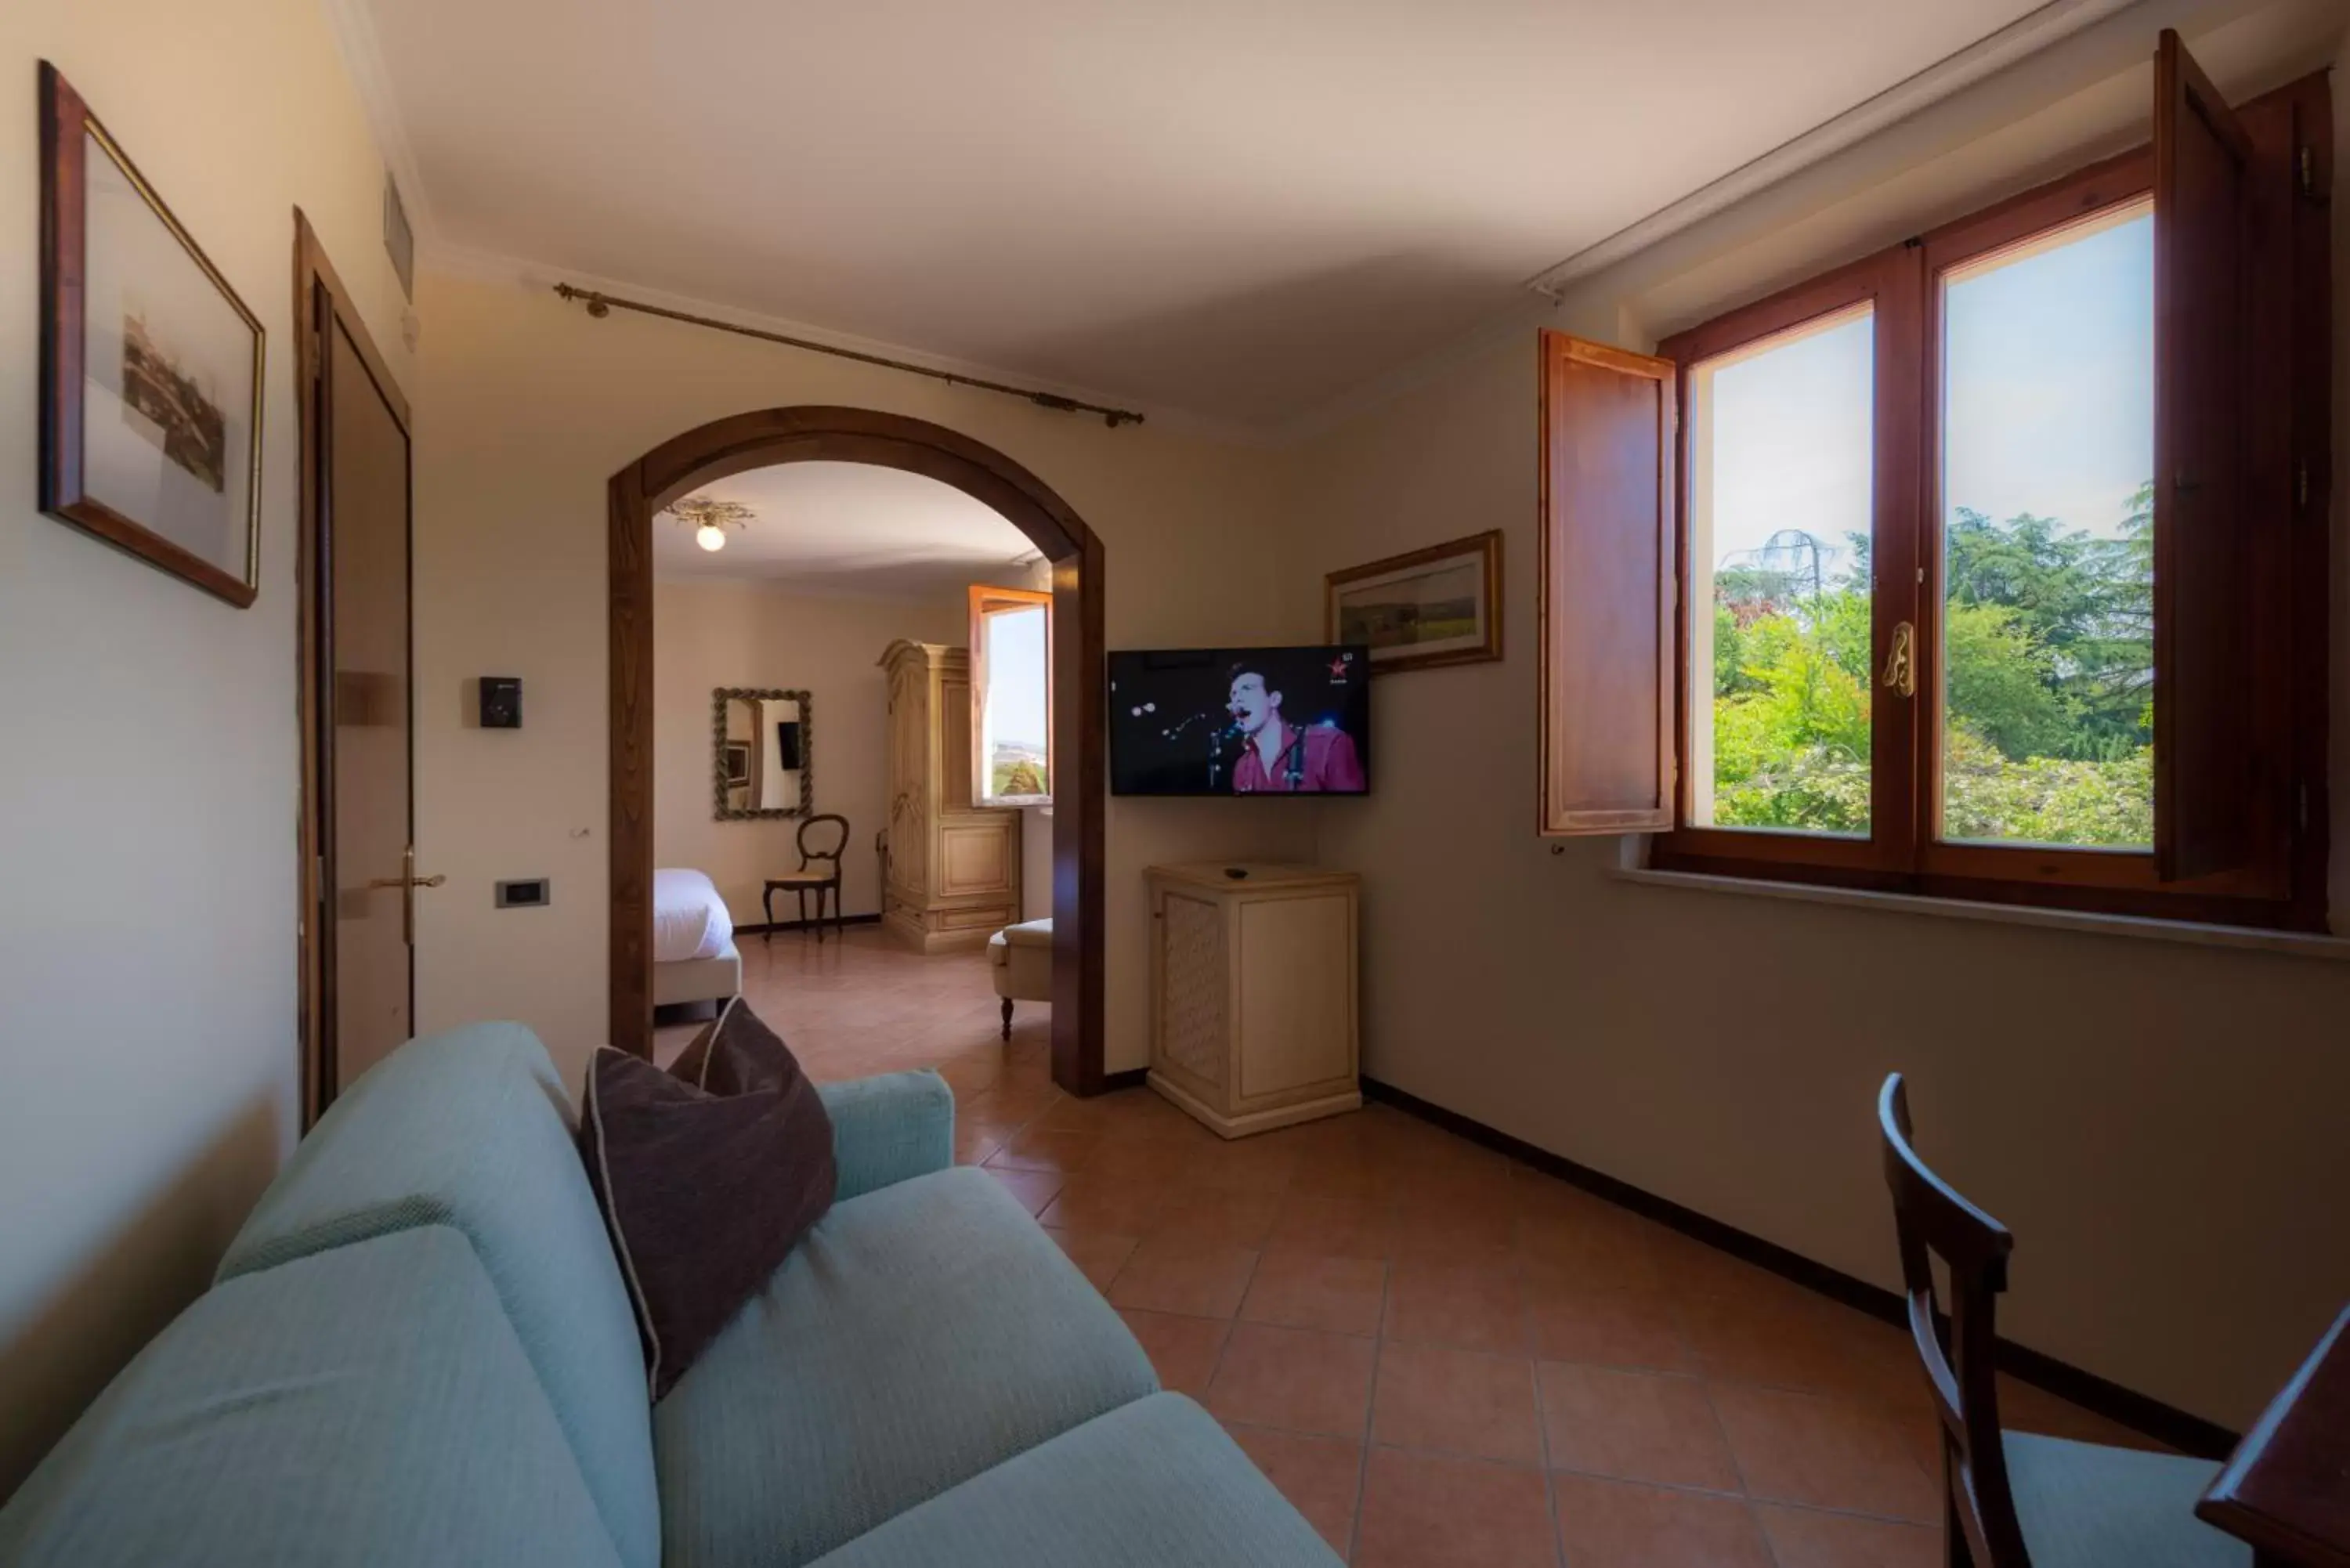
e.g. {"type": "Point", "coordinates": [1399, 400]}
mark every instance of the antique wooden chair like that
{"type": "Point", "coordinates": [821, 878]}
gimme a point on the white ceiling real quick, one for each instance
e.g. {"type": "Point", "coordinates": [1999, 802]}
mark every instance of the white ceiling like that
{"type": "Point", "coordinates": [847, 527]}
{"type": "Point", "coordinates": [1242, 208]}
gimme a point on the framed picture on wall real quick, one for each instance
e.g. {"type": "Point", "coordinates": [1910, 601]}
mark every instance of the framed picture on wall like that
{"type": "Point", "coordinates": [1437, 606]}
{"type": "Point", "coordinates": [151, 367]}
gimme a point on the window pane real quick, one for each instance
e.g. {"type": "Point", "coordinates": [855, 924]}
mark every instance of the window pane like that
{"type": "Point", "coordinates": [2048, 539]}
{"type": "Point", "coordinates": [1781, 469]}
{"type": "Point", "coordinates": [1014, 718]}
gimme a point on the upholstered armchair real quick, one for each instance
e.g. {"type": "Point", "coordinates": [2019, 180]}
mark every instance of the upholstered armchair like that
{"type": "Point", "coordinates": [1020, 957]}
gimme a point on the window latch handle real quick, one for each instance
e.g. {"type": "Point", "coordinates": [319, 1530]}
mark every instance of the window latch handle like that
{"type": "Point", "coordinates": [1901, 664]}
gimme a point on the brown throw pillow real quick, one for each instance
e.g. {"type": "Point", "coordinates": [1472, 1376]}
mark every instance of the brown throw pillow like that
{"type": "Point", "coordinates": [708, 1175]}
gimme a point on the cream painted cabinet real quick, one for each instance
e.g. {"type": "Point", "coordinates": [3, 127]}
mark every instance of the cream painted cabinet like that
{"type": "Point", "coordinates": [1253, 992]}
{"type": "Point", "coordinates": [954, 870]}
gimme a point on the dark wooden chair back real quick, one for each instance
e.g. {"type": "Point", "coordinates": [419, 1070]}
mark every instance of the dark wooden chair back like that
{"type": "Point", "coordinates": [829, 823]}
{"type": "Point", "coordinates": [1958, 1346]}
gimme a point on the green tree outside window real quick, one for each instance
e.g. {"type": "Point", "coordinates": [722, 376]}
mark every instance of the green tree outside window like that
{"type": "Point", "coordinates": [2047, 643]}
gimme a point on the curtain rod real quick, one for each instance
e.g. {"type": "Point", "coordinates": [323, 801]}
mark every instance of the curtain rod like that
{"type": "Point", "coordinates": [601, 305]}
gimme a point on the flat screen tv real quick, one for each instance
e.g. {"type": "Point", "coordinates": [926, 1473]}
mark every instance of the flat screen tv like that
{"type": "Point", "coordinates": [1241, 721]}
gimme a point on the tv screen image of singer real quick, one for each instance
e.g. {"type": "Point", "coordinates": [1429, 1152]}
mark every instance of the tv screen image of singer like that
{"type": "Point", "coordinates": [1241, 721]}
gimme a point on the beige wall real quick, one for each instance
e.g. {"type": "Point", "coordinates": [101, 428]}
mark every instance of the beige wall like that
{"type": "Point", "coordinates": [530, 407]}
{"type": "Point", "coordinates": [2162, 1126]}
{"type": "Point", "coordinates": [745, 633]}
{"type": "Point", "coordinates": [148, 1057]}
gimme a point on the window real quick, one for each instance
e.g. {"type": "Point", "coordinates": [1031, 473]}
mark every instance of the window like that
{"type": "Point", "coordinates": [1996, 560]}
{"type": "Point", "coordinates": [2046, 501]}
{"type": "Point", "coordinates": [1011, 696]}
{"type": "Point", "coordinates": [1780, 519]}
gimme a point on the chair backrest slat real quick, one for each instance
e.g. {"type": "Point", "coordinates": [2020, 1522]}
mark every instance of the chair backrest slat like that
{"type": "Point", "coordinates": [828, 822]}
{"type": "Point", "coordinates": [1959, 1350]}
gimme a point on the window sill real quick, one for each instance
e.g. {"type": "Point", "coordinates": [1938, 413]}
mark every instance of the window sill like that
{"type": "Point", "coordinates": [2294, 944]}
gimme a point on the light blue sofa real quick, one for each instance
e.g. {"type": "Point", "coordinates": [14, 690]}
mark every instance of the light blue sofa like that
{"type": "Point", "coordinates": [419, 1352]}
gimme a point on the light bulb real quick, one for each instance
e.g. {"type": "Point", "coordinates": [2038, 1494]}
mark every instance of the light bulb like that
{"type": "Point", "coordinates": [710, 536]}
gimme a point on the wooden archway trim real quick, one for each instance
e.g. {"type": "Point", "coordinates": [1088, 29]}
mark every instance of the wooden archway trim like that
{"type": "Point", "coordinates": [814, 433]}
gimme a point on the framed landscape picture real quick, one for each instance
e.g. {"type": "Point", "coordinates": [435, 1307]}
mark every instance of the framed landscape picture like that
{"type": "Point", "coordinates": [1437, 606]}
{"type": "Point", "coordinates": [151, 367]}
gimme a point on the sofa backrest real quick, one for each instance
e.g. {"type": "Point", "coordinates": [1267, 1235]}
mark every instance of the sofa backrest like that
{"type": "Point", "coordinates": [370, 1406]}
{"type": "Point", "coordinates": [472, 1129]}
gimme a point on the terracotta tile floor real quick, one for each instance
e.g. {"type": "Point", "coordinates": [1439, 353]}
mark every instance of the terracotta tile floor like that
{"type": "Point", "coordinates": [1438, 1356]}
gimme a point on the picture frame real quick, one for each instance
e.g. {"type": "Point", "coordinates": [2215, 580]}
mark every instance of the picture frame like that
{"type": "Point", "coordinates": [1422, 609]}
{"type": "Point", "coordinates": [735, 758]}
{"type": "Point", "coordinates": [152, 368]}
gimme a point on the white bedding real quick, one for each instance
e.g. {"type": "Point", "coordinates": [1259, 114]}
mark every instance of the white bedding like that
{"type": "Point", "coordinates": [689, 919]}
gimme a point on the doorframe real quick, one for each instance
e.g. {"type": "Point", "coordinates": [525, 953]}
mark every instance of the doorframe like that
{"type": "Point", "coordinates": [832, 434]}
{"type": "Point", "coordinates": [319, 298]}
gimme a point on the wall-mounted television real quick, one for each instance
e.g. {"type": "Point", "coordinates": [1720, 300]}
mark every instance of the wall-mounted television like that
{"type": "Point", "coordinates": [1241, 721]}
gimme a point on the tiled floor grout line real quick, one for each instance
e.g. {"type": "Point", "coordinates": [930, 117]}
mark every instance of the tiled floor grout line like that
{"type": "Point", "coordinates": [1696, 1362]}
{"type": "Point", "coordinates": [1370, 1411]}
{"type": "Point", "coordinates": [1232, 1324]}
{"type": "Point", "coordinates": [1531, 1343]}
{"type": "Point", "coordinates": [1465, 1456]}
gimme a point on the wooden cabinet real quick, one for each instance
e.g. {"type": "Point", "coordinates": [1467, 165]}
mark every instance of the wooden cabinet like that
{"type": "Point", "coordinates": [954, 870]}
{"type": "Point", "coordinates": [1252, 989]}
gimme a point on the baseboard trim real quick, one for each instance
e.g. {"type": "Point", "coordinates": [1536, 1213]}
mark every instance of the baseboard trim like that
{"type": "Point", "coordinates": [828, 922]}
{"type": "Point", "coordinates": [2189, 1433]}
{"type": "Point", "coordinates": [1132, 1078]}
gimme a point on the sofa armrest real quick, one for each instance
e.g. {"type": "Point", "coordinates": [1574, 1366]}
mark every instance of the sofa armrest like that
{"type": "Point", "coordinates": [887, 1128]}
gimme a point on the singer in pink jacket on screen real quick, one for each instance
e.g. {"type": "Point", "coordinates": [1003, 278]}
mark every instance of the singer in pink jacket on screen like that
{"type": "Point", "coordinates": [1280, 756]}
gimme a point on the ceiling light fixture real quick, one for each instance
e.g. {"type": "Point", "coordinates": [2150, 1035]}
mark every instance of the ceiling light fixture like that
{"type": "Point", "coordinates": [710, 519]}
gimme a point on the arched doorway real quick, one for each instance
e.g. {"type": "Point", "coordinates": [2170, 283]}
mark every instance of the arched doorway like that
{"type": "Point", "coordinates": [772, 436]}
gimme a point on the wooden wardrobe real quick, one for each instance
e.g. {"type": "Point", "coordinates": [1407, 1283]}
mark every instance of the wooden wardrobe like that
{"type": "Point", "coordinates": [953, 877]}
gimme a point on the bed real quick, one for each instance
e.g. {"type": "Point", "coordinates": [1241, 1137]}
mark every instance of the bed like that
{"type": "Point", "coordinates": [693, 940]}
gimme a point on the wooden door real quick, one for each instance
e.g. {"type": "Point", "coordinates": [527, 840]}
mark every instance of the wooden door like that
{"type": "Point", "coordinates": [360, 929]}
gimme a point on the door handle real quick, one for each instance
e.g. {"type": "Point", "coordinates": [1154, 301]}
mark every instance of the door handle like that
{"type": "Point", "coordinates": [408, 881]}
{"type": "Point", "coordinates": [1901, 664]}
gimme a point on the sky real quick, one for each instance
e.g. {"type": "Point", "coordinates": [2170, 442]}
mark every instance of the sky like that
{"type": "Point", "coordinates": [2048, 402]}
{"type": "Point", "coordinates": [2050, 381]}
{"type": "Point", "coordinates": [1015, 667]}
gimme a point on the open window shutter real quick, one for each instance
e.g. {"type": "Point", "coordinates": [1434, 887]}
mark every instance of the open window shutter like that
{"type": "Point", "coordinates": [1607, 587]}
{"type": "Point", "coordinates": [2205, 809]}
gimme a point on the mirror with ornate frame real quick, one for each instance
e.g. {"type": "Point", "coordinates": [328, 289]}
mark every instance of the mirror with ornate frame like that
{"type": "Point", "coordinates": [761, 757]}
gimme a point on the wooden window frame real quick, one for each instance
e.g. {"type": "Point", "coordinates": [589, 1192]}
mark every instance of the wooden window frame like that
{"type": "Point", "coordinates": [1887, 284]}
{"type": "Point", "coordinates": [986, 601]}
{"type": "Point", "coordinates": [2290, 434]}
